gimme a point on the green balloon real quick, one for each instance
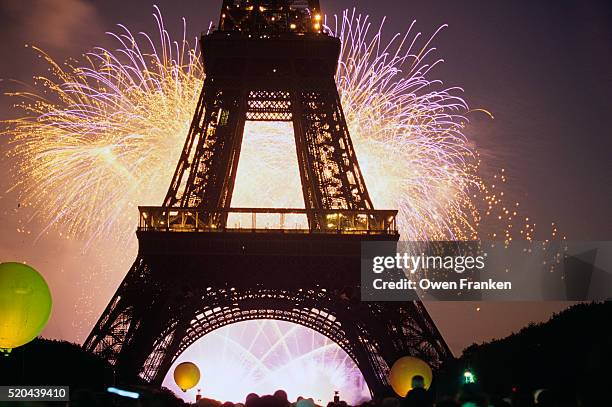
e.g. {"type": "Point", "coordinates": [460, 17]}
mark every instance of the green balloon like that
{"type": "Point", "coordinates": [25, 304]}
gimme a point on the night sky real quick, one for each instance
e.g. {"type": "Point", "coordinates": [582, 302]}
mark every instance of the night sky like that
{"type": "Point", "coordinates": [544, 69]}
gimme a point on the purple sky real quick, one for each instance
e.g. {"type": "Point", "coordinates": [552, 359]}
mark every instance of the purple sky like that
{"type": "Point", "coordinates": [542, 68]}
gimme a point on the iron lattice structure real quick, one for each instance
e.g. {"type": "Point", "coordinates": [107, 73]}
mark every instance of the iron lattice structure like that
{"type": "Point", "coordinates": [267, 61]}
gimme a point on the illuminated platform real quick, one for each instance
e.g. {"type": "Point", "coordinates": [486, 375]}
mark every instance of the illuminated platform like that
{"type": "Point", "coordinates": [281, 220]}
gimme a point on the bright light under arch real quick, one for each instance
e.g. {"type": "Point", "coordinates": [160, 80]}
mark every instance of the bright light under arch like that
{"type": "Point", "coordinates": [262, 356]}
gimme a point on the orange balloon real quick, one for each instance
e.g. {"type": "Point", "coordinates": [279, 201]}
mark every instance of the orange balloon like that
{"type": "Point", "coordinates": [186, 375]}
{"type": "Point", "coordinates": [404, 369]}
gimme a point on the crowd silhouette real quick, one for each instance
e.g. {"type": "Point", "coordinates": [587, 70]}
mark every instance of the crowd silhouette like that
{"type": "Point", "coordinates": [469, 395]}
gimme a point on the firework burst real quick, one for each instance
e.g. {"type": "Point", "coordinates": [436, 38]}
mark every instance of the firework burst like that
{"type": "Point", "coordinates": [100, 138]}
{"type": "Point", "coordinates": [407, 130]}
{"type": "Point", "coordinates": [262, 356]}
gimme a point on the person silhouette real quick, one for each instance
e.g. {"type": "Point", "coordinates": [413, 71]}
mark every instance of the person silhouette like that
{"type": "Point", "coordinates": [281, 396]}
{"type": "Point", "coordinates": [418, 396]}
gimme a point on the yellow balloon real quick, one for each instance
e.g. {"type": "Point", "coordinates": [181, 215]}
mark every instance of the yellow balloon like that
{"type": "Point", "coordinates": [404, 369]}
{"type": "Point", "coordinates": [25, 304]}
{"type": "Point", "coordinates": [186, 375]}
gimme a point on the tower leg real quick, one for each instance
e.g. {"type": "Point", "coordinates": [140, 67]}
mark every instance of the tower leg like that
{"type": "Point", "coordinates": [329, 170]}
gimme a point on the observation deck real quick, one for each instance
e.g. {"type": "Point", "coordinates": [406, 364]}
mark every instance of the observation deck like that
{"type": "Point", "coordinates": [269, 220]}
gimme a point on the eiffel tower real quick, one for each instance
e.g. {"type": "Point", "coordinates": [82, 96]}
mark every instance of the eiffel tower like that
{"type": "Point", "coordinates": [202, 264]}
